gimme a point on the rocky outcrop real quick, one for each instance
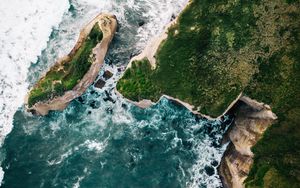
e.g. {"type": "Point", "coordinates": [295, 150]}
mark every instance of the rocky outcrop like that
{"type": "Point", "coordinates": [108, 25]}
{"type": "Point", "coordinates": [251, 121]}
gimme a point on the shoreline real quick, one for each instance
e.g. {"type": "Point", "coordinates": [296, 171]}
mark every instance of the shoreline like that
{"type": "Point", "coordinates": [252, 119]}
{"type": "Point", "coordinates": [153, 45]}
{"type": "Point", "coordinates": [247, 129]}
{"type": "Point", "coordinates": [241, 161]}
{"type": "Point", "coordinates": [149, 52]}
{"type": "Point", "coordinates": [108, 24]}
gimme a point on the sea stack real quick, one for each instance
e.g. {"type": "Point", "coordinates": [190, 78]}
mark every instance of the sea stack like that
{"type": "Point", "coordinates": [71, 75]}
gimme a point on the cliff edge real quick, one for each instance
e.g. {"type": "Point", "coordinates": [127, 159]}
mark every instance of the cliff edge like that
{"type": "Point", "coordinates": [251, 121]}
{"type": "Point", "coordinates": [217, 52]}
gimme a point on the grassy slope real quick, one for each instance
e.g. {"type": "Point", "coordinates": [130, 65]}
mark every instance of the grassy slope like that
{"type": "Point", "coordinates": [219, 49]}
{"type": "Point", "coordinates": [65, 76]}
{"type": "Point", "coordinates": [198, 63]}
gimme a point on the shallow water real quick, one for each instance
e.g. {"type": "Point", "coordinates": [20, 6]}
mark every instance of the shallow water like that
{"type": "Point", "coordinates": [100, 140]}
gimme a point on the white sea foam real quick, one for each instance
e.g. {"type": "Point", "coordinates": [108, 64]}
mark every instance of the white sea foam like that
{"type": "Point", "coordinates": [24, 32]}
{"type": "Point", "coordinates": [93, 145]}
{"type": "Point", "coordinates": [80, 178]}
{"type": "Point", "coordinates": [206, 154]}
{"type": "Point", "coordinates": [159, 16]}
{"type": "Point", "coordinates": [157, 13]}
{"type": "Point", "coordinates": [89, 145]}
{"type": "Point", "coordinates": [25, 29]}
{"type": "Point", "coordinates": [62, 157]}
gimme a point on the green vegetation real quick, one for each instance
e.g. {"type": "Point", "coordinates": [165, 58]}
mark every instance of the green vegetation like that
{"type": "Point", "coordinates": [277, 154]}
{"type": "Point", "coordinates": [64, 76]}
{"type": "Point", "coordinates": [221, 48]}
{"type": "Point", "coordinates": [141, 75]}
{"type": "Point", "coordinates": [203, 57]}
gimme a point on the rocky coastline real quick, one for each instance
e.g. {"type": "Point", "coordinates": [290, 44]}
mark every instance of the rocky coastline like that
{"type": "Point", "coordinates": [108, 25]}
{"type": "Point", "coordinates": [251, 121]}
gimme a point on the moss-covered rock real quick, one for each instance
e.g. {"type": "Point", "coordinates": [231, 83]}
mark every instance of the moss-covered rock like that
{"type": "Point", "coordinates": [64, 75]}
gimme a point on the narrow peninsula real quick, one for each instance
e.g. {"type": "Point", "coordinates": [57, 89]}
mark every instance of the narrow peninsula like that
{"type": "Point", "coordinates": [220, 54]}
{"type": "Point", "coordinates": [73, 74]}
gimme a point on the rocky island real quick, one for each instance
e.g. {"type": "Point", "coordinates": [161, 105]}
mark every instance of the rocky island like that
{"type": "Point", "coordinates": [73, 74]}
{"type": "Point", "coordinates": [216, 58]}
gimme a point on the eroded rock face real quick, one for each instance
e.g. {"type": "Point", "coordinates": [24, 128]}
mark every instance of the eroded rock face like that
{"type": "Point", "coordinates": [252, 120]}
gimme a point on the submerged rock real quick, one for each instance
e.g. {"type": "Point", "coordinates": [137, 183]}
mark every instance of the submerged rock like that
{"type": "Point", "coordinates": [108, 97]}
{"type": "Point", "coordinates": [214, 163]}
{"type": "Point", "coordinates": [100, 84]}
{"type": "Point", "coordinates": [81, 100]}
{"type": "Point", "coordinates": [141, 23]}
{"type": "Point", "coordinates": [95, 104]}
{"type": "Point", "coordinates": [124, 106]}
{"type": "Point", "coordinates": [209, 170]}
{"type": "Point", "coordinates": [107, 75]}
{"type": "Point", "coordinates": [173, 17]}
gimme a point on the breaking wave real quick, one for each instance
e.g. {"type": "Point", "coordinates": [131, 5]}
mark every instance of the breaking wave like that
{"type": "Point", "coordinates": [97, 133]}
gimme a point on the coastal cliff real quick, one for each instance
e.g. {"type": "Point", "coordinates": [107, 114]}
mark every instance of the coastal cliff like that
{"type": "Point", "coordinates": [68, 86]}
{"type": "Point", "coordinates": [251, 121]}
{"type": "Point", "coordinates": [209, 59]}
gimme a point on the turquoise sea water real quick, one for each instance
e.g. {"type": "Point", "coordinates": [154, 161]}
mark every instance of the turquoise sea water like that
{"type": "Point", "coordinates": [101, 140]}
{"type": "Point", "coordinates": [164, 146]}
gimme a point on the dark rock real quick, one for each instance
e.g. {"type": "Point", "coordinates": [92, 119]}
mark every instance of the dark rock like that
{"type": "Point", "coordinates": [89, 112]}
{"type": "Point", "coordinates": [81, 100]}
{"type": "Point", "coordinates": [92, 92]}
{"type": "Point", "coordinates": [95, 104]}
{"type": "Point", "coordinates": [109, 62]}
{"type": "Point", "coordinates": [72, 8]}
{"type": "Point", "coordinates": [107, 75]}
{"type": "Point", "coordinates": [215, 144]}
{"type": "Point", "coordinates": [222, 118]}
{"type": "Point", "coordinates": [209, 170]}
{"type": "Point", "coordinates": [173, 17]}
{"type": "Point", "coordinates": [124, 106]}
{"type": "Point", "coordinates": [108, 97]}
{"type": "Point", "coordinates": [109, 110]}
{"type": "Point", "coordinates": [214, 163]}
{"type": "Point", "coordinates": [100, 84]}
{"type": "Point", "coordinates": [119, 69]}
{"type": "Point", "coordinates": [141, 23]}
{"type": "Point", "coordinates": [132, 55]}
{"type": "Point", "coordinates": [209, 130]}
{"type": "Point", "coordinates": [33, 112]}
